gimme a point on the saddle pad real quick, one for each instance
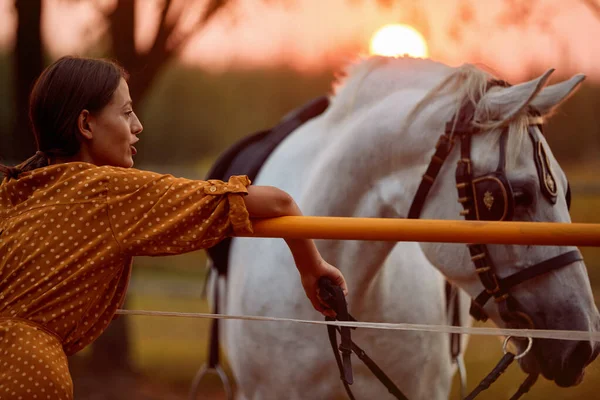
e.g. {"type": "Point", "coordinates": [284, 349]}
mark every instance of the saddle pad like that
{"type": "Point", "coordinates": [247, 156]}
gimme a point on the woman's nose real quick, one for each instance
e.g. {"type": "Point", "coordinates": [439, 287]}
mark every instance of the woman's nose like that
{"type": "Point", "coordinates": [137, 127]}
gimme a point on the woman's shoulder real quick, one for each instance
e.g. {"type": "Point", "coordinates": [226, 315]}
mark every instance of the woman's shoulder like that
{"type": "Point", "coordinates": [91, 171]}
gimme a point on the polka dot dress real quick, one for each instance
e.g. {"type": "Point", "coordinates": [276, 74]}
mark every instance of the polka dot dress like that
{"type": "Point", "coordinates": [32, 363]}
{"type": "Point", "coordinates": [68, 234]}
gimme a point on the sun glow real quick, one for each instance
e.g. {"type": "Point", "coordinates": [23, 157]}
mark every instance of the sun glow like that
{"type": "Point", "coordinates": [398, 40]}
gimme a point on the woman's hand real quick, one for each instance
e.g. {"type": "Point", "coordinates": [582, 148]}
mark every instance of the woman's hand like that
{"type": "Point", "coordinates": [270, 202]}
{"type": "Point", "coordinates": [310, 282]}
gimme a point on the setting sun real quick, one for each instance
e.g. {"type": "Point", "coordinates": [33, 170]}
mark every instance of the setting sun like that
{"type": "Point", "coordinates": [398, 40]}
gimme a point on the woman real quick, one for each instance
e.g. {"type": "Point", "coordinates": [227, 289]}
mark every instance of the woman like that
{"type": "Point", "coordinates": [73, 216]}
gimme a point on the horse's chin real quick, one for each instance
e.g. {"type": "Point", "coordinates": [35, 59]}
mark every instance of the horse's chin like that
{"type": "Point", "coordinates": [566, 378]}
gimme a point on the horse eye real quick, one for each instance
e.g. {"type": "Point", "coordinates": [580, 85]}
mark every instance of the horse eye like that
{"type": "Point", "coordinates": [523, 198]}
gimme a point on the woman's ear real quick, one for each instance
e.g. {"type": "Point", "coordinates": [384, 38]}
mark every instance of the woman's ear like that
{"type": "Point", "coordinates": [83, 123]}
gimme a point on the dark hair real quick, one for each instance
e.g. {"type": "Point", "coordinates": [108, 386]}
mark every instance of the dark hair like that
{"type": "Point", "coordinates": [67, 87]}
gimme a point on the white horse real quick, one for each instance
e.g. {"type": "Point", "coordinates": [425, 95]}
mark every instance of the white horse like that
{"type": "Point", "coordinates": [365, 157]}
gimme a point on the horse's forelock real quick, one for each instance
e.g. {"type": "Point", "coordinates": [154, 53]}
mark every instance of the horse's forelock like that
{"type": "Point", "coordinates": [466, 83]}
{"type": "Point", "coordinates": [469, 83]}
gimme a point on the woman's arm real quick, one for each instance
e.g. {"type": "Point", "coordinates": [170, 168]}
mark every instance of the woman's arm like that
{"type": "Point", "coordinates": [270, 202]}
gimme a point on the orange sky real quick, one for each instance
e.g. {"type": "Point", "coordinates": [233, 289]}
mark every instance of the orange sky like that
{"type": "Point", "coordinates": [307, 33]}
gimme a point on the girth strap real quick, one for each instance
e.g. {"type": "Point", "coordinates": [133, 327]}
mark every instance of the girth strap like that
{"type": "Point", "coordinates": [531, 272]}
{"type": "Point", "coordinates": [213, 346]}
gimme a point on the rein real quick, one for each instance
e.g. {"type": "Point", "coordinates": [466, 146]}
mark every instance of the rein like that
{"type": "Point", "coordinates": [334, 297]}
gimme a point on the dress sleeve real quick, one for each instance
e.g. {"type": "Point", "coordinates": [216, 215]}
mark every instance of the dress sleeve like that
{"type": "Point", "coordinates": [152, 214]}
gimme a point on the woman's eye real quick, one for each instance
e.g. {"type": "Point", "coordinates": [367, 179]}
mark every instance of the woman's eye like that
{"type": "Point", "coordinates": [523, 198]}
{"type": "Point", "coordinates": [128, 113]}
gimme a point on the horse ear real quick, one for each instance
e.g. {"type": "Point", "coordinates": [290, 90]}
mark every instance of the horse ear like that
{"type": "Point", "coordinates": [552, 96]}
{"type": "Point", "coordinates": [504, 104]}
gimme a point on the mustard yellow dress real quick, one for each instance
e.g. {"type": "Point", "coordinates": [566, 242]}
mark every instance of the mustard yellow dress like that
{"type": "Point", "coordinates": [68, 233]}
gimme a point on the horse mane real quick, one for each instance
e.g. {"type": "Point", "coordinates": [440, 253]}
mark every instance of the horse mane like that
{"type": "Point", "coordinates": [466, 83]}
{"type": "Point", "coordinates": [382, 76]}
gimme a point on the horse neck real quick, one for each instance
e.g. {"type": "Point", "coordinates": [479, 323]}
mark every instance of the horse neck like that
{"type": "Point", "coordinates": [372, 170]}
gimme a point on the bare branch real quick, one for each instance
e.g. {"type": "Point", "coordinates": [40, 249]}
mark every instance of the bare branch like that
{"type": "Point", "coordinates": [103, 11]}
{"type": "Point", "coordinates": [122, 35]}
{"type": "Point", "coordinates": [162, 26]}
{"type": "Point", "coordinates": [593, 6]}
{"type": "Point", "coordinates": [214, 6]}
{"type": "Point", "coordinates": [165, 29]}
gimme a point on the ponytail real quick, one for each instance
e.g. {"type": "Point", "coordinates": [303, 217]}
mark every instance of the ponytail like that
{"type": "Point", "coordinates": [38, 160]}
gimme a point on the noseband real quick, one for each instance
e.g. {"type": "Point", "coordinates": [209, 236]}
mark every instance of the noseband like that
{"type": "Point", "coordinates": [491, 198]}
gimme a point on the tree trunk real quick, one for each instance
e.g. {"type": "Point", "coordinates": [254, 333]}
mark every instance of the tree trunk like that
{"type": "Point", "coordinates": [27, 66]}
{"type": "Point", "coordinates": [142, 68]}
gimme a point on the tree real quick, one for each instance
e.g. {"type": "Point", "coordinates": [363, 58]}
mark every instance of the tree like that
{"type": "Point", "coordinates": [27, 65]}
{"type": "Point", "coordinates": [168, 42]}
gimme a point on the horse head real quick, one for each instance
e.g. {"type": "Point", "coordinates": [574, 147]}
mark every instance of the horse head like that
{"type": "Point", "coordinates": [500, 167]}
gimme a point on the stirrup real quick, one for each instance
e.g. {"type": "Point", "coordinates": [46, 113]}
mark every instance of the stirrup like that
{"type": "Point", "coordinates": [462, 374]}
{"type": "Point", "coordinates": [205, 370]}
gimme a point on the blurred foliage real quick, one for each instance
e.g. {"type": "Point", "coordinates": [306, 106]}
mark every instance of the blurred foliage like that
{"type": "Point", "coordinates": [192, 114]}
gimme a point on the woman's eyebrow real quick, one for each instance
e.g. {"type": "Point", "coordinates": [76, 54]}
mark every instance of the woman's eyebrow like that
{"type": "Point", "coordinates": [127, 103]}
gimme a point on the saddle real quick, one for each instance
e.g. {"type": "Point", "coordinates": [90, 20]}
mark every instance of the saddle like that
{"type": "Point", "coordinates": [247, 156]}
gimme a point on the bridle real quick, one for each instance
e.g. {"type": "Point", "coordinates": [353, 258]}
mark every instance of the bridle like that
{"type": "Point", "coordinates": [488, 197]}
{"type": "Point", "coordinates": [491, 198]}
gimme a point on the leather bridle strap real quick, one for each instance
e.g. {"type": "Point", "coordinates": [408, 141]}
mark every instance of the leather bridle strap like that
{"type": "Point", "coordinates": [335, 298]}
{"type": "Point", "coordinates": [442, 149]}
{"type": "Point", "coordinates": [457, 126]}
{"type": "Point", "coordinates": [493, 376]}
{"type": "Point", "coordinates": [502, 365]}
{"type": "Point", "coordinates": [531, 272]}
{"type": "Point", "coordinates": [368, 361]}
{"type": "Point", "coordinates": [332, 333]}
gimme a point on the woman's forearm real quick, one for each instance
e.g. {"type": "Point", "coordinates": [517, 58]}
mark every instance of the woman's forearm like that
{"type": "Point", "coordinates": [270, 202]}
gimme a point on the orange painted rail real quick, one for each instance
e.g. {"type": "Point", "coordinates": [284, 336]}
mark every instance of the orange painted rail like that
{"type": "Point", "coordinates": [397, 230]}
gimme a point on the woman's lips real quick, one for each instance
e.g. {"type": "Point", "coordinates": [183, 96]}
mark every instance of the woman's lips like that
{"type": "Point", "coordinates": [133, 151]}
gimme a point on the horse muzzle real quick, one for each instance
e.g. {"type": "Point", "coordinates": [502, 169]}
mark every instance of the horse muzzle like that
{"type": "Point", "coordinates": [560, 361]}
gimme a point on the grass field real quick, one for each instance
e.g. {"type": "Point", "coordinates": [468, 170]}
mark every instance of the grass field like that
{"type": "Point", "coordinates": [170, 350]}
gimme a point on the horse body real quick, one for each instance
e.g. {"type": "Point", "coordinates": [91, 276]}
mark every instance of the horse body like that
{"type": "Point", "coordinates": [364, 157]}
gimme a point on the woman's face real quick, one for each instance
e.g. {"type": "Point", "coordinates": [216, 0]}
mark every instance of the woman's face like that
{"type": "Point", "coordinates": [113, 132]}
